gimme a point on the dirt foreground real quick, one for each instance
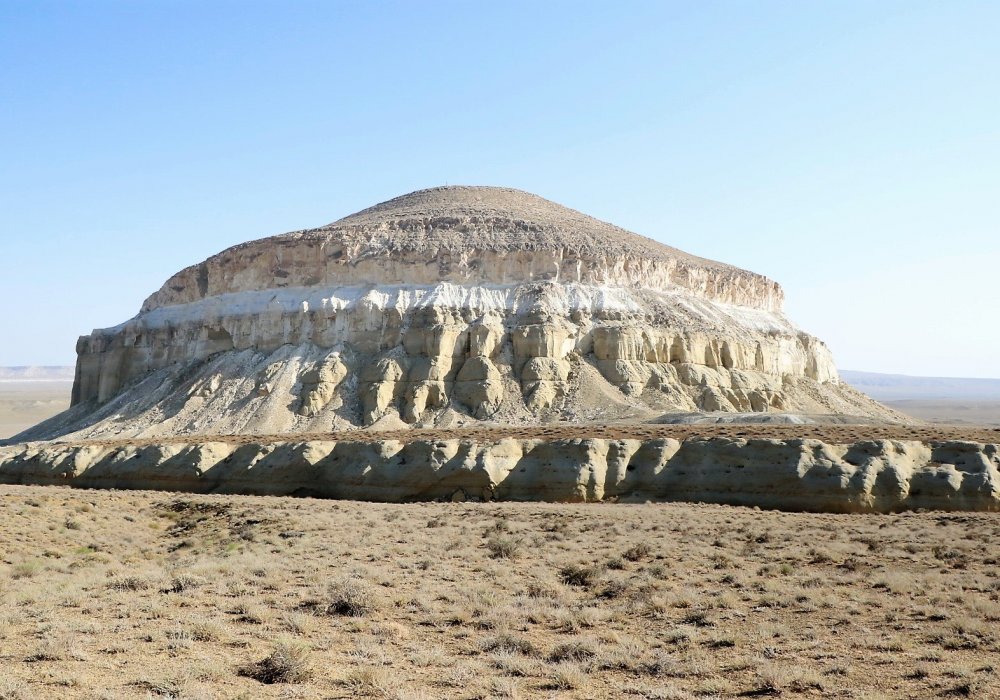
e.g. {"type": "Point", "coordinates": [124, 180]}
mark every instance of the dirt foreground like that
{"type": "Point", "coordinates": [107, 594]}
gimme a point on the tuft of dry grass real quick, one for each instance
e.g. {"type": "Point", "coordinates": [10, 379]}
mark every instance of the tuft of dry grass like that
{"type": "Point", "coordinates": [288, 663]}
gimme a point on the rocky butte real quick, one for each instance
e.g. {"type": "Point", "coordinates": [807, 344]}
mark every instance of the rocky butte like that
{"type": "Point", "coordinates": [451, 307]}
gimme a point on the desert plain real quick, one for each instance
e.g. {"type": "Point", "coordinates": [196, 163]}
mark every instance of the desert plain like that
{"type": "Point", "coordinates": [107, 594]}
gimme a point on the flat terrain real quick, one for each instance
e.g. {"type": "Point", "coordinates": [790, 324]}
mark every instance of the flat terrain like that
{"type": "Point", "coordinates": [109, 594]}
{"type": "Point", "coordinates": [25, 403]}
{"type": "Point", "coordinates": [950, 411]}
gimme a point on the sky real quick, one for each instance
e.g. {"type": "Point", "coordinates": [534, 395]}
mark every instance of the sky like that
{"type": "Point", "coordinates": [848, 150]}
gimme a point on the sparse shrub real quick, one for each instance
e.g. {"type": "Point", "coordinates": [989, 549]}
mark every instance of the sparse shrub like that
{"type": "Point", "coordinates": [206, 631]}
{"type": "Point", "coordinates": [638, 552]}
{"type": "Point", "coordinates": [370, 682]}
{"type": "Point", "coordinates": [351, 596]}
{"type": "Point", "coordinates": [573, 651]}
{"type": "Point", "coordinates": [249, 614]}
{"type": "Point", "coordinates": [567, 676]}
{"type": "Point", "coordinates": [505, 688]}
{"type": "Point", "coordinates": [501, 525]}
{"type": "Point", "coordinates": [26, 569]}
{"type": "Point", "coordinates": [579, 575]}
{"type": "Point", "coordinates": [657, 570]}
{"type": "Point", "coordinates": [542, 589]}
{"type": "Point", "coordinates": [509, 643]}
{"type": "Point", "coordinates": [615, 588]}
{"type": "Point", "coordinates": [128, 583]}
{"type": "Point", "coordinates": [698, 618]}
{"type": "Point", "coordinates": [288, 663]}
{"type": "Point", "coordinates": [503, 547]}
{"type": "Point", "coordinates": [185, 582]}
{"type": "Point", "coordinates": [955, 558]}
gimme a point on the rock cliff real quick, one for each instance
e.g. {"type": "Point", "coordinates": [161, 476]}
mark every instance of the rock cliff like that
{"type": "Point", "coordinates": [791, 474]}
{"type": "Point", "coordinates": [445, 306]}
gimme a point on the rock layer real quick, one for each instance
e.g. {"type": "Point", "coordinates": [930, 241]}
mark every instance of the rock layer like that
{"type": "Point", "coordinates": [447, 305]}
{"type": "Point", "coordinates": [808, 474]}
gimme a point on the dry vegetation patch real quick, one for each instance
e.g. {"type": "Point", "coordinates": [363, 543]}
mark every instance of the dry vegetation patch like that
{"type": "Point", "coordinates": [144, 594]}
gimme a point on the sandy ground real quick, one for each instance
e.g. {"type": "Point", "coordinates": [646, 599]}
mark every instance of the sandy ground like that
{"type": "Point", "coordinates": [109, 594]}
{"type": "Point", "coordinates": [25, 403]}
{"type": "Point", "coordinates": [950, 411]}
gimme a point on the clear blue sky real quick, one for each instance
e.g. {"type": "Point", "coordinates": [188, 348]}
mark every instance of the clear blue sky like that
{"type": "Point", "coordinates": [849, 150]}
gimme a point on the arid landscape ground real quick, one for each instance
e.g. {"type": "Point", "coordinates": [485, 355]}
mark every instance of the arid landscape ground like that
{"type": "Point", "coordinates": [26, 403]}
{"type": "Point", "coordinates": [143, 594]}
{"type": "Point", "coordinates": [950, 411]}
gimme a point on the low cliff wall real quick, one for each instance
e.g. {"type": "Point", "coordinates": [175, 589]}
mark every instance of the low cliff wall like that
{"type": "Point", "coordinates": [811, 475]}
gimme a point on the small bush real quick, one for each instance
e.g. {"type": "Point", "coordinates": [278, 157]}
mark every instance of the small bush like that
{"type": "Point", "coordinates": [371, 682]}
{"type": "Point", "coordinates": [577, 575]}
{"type": "Point", "coordinates": [128, 583]}
{"type": "Point", "coordinates": [352, 597]}
{"type": "Point", "coordinates": [572, 651]}
{"type": "Point", "coordinates": [503, 547]}
{"type": "Point", "coordinates": [638, 552]}
{"type": "Point", "coordinates": [567, 676]}
{"type": "Point", "coordinates": [185, 582]}
{"type": "Point", "coordinates": [288, 663]}
{"type": "Point", "coordinates": [25, 569]}
{"type": "Point", "coordinates": [542, 589]}
{"type": "Point", "coordinates": [509, 643]}
{"type": "Point", "coordinates": [615, 588]}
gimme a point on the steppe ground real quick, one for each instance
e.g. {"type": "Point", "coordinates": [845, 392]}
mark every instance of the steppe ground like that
{"type": "Point", "coordinates": [950, 411]}
{"type": "Point", "coordinates": [25, 403]}
{"type": "Point", "coordinates": [108, 594]}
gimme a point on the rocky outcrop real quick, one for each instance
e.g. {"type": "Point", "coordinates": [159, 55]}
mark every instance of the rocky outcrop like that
{"type": "Point", "coordinates": [807, 474]}
{"type": "Point", "coordinates": [469, 236]}
{"type": "Point", "coordinates": [445, 306]}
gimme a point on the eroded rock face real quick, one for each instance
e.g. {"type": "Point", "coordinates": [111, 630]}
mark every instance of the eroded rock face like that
{"type": "Point", "coordinates": [870, 476]}
{"type": "Point", "coordinates": [445, 305]}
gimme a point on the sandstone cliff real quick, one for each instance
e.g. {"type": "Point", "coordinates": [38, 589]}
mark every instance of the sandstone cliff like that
{"type": "Point", "coordinates": [449, 305]}
{"type": "Point", "coordinates": [803, 474]}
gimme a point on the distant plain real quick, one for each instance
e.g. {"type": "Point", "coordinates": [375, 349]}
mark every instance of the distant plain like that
{"type": "Point", "coordinates": [25, 403]}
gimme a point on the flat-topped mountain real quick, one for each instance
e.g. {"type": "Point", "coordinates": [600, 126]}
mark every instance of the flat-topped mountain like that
{"type": "Point", "coordinates": [441, 307]}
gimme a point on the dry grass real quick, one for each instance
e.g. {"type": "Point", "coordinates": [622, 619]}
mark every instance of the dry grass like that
{"type": "Point", "coordinates": [156, 595]}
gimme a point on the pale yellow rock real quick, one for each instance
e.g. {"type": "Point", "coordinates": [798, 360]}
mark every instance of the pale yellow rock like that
{"type": "Point", "coordinates": [319, 385]}
{"type": "Point", "coordinates": [380, 386]}
{"type": "Point", "coordinates": [479, 386]}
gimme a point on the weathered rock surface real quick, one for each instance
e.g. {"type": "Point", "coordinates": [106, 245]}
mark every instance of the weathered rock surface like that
{"type": "Point", "coordinates": [442, 306]}
{"type": "Point", "coordinates": [807, 474]}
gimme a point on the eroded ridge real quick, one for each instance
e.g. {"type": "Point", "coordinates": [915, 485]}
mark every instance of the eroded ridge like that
{"type": "Point", "coordinates": [878, 475]}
